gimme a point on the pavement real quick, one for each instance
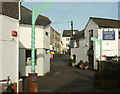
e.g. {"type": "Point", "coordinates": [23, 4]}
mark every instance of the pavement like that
{"type": "Point", "coordinates": [65, 78]}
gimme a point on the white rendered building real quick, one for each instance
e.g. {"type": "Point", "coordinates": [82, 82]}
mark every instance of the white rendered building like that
{"type": "Point", "coordinates": [9, 43]}
{"type": "Point", "coordinates": [105, 29]}
{"type": "Point", "coordinates": [42, 44]}
{"type": "Point", "coordinates": [66, 39]}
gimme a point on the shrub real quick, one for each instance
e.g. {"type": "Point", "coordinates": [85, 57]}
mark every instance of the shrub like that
{"type": "Point", "coordinates": [72, 60]}
{"type": "Point", "coordinates": [110, 70]}
{"type": "Point", "coordinates": [107, 73]}
{"type": "Point", "coordinates": [80, 62]}
{"type": "Point", "coordinates": [86, 63]}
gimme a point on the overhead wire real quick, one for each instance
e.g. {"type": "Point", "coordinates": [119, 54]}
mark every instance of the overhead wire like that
{"type": "Point", "coordinates": [61, 22]}
{"type": "Point", "coordinates": [68, 12]}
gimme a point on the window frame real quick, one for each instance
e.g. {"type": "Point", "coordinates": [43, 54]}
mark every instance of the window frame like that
{"type": "Point", "coordinates": [46, 33]}
{"type": "Point", "coordinates": [30, 57]}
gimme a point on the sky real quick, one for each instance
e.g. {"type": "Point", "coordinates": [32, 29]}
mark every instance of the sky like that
{"type": "Point", "coordinates": [62, 13]}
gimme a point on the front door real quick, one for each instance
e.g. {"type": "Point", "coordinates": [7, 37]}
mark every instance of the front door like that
{"type": "Point", "coordinates": [91, 51]}
{"type": "Point", "coordinates": [91, 61]}
{"type": "Point", "coordinates": [74, 58]}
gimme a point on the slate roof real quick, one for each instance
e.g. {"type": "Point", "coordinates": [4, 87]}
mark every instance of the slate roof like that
{"type": "Point", "coordinates": [106, 23]}
{"type": "Point", "coordinates": [10, 9]}
{"type": "Point", "coordinates": [53, 30]}
{"type": "Point", "coordinates": [26, 18]}
{"type": "Point", "coordinates": [67, 33]}
{"type": "Point", "coordinates": [79, 35]}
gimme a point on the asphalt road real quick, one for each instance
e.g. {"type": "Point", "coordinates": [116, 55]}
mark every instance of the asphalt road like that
{"type": "Point", "coordinates": [65, 78]}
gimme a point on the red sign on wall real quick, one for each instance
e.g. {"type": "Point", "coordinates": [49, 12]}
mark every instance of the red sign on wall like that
{"type": "Point", "coordinates": [14, 33]}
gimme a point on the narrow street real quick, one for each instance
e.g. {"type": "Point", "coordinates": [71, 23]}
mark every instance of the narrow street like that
{"type": "Point", "coordinates": [64, 78]}
{"type": "Point", "coordinates": [34, 31]}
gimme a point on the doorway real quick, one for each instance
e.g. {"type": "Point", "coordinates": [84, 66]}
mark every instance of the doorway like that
{"type": "Point", "coordinates": [91, 51]}
{"type": "Point", "coordinates": [74, 58]}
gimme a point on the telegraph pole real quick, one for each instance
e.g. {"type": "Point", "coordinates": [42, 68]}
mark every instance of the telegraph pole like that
{"type": "Point", "coordinates": [71, 38]}
{"type": "Point", "coordinates": [71, 29]}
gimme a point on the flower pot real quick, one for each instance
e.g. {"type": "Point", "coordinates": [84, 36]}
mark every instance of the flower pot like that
{"type": "Point", "coordinates": [81, 66]}
{"type": "Point", "coordinates": [73, 64]}
{"type": "Point", "coordinates": [86, 67]}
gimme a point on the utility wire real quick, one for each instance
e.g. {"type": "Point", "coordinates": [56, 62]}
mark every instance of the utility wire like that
{"type": "Point", "coordinates": [68, 11]}
{"type": "Point", "coordinates": [76, 7]}
{"type": "Point", "coordinates": [59, 22]}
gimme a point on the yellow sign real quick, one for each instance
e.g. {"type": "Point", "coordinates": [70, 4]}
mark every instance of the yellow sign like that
{"type": "Point", "coordinates": [52, 52]}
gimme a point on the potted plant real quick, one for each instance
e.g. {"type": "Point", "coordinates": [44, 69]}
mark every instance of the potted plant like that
{"type": "Point", "coordinates": [86, 65]}
{"type": "Point", "coordinates": [72, 62]}
{"type": "Point", "coordinates": [81, 65]}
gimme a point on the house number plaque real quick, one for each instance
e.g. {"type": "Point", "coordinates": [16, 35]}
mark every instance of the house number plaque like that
{"type": "Point", "coordinates": [33, 78]}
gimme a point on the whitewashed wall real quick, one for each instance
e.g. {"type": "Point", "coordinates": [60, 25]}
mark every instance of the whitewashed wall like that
{"type": "Point", "coordinates": [46, 46]}
{"type": "Point", "coordinates": [0, 47]}
{"type": "Point", "coordinates": [46, 39]}
{"type": "Point", "coordinates": [64, 43]}
{"type": "Point", "coordinates": [9, 48]}
{"type": "Point", "coordinates": [80, 51]}
{"type": "Point", "coordinates": [42, 43]}
{"type": "Point", "coordinates": [25, 36]}
{"type": "Point", "coordinates": [109, 47]}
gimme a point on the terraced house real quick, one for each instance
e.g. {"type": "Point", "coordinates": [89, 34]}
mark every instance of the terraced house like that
{"type": "Point", "coordinates": [42, 43]}
{"type": "Point", "coordinates": [66, 36]}
{"type": "Point", "coordinates": [15, 43]}
{"type": "Point", "coordinates": [108, 30]}
{"type": "Point", "coordinates": [9, 43]}
{"type": "Point", "coordinates": [55, 40]}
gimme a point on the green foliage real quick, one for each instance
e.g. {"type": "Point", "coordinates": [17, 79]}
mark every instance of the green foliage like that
{"type": "Point", "coordinates": [110, 70]}
{"type": "Point", "coordinates": [107, 73]}
{"type": "Point", "coordinates": [86, 63]}
{"type": "Point", "coordinates": [80, 62]}
{"type": "Point", "coordinates": [72, 60]}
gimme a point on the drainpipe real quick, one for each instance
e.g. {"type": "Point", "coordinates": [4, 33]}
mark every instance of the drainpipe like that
{"type": "Point", "coordinates": [18, 47]}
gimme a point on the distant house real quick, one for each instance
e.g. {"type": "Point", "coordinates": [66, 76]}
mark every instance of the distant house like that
{"type": "Point", "coordinates": [55, 40]}
{"type": "Point", "coordinates": [9, 26]}
{"type": "Point", "coordinates": [66, 39]}
{"type": "Point", "coordinates": [42, 43]}
{"type": "Point", "coordinates": [108, 30]}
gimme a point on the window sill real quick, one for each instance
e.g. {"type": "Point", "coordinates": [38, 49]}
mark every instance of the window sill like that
{"type": "Point", "coordinates": [29, 65]}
